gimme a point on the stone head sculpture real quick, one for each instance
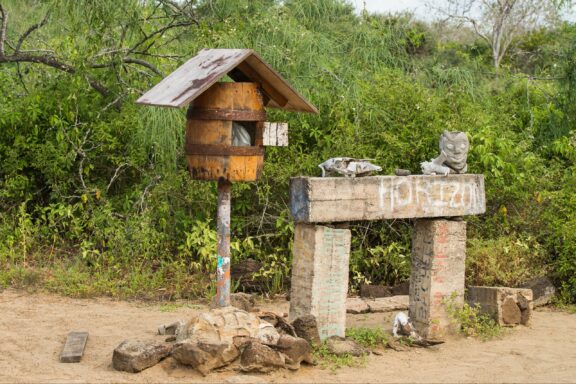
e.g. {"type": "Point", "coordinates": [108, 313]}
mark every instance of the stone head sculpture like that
{"type": "Point", "coordinates": [454, 148]}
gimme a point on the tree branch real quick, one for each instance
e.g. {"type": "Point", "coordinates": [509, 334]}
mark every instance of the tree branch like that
{"type": "Point", "coordinates": [130, 60]}
{"type": "Point", "coordinates": [160, 31]}
{"type": "Point", "coordinates": [143, 63]}
{"type": "Point", "coordinates": [3, 28]}
{"type": "Point", "coordinates": [29, 31]}
{"type": "Point", "coordinates": [54, 63]}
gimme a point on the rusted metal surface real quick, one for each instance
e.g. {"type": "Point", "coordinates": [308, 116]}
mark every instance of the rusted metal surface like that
{"type": "Point", "coordinates": [226, 114]}
{"type": "Point", "coordinates": [222, 150]}
{"type": "Point", "coordinates": [199, 73]}
{"type": "Point", "coordinates": [223, 266]}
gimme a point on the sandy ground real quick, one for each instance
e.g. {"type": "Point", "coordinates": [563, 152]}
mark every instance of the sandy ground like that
{"type": "Point", "coordinates": [33, 328]}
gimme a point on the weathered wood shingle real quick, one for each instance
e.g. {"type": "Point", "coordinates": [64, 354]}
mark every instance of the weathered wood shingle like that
{"type": "Point", "coordinates": [203, 70]}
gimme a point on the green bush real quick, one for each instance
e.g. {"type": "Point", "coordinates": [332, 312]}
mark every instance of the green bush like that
{"type": "Point", "coordinates": [97, 186]}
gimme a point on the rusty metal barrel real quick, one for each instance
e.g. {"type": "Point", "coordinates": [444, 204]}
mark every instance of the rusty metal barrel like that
{"type": "Point", "coordinates": [209, 133]}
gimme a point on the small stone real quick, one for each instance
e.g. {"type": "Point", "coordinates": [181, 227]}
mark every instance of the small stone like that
{"type": "Point", "coordinates": [510, 311]}
{"type": "Point", "coordinates": [171, 329]}
{"type": "Point", "coordinates": [257, 357]}
{"type": "Point", "coordinates": [373, 291]}
{"type": "Point", "coordinates": [356, 305]}
{"type": "Point", "coordinates": [341, 346]}
{"type": "Point", "coordinates": [135, 355]}
{"type": "Point", "coordinates": [402, 172]}
{"type": "Point", "coordinates": [205, 357]}
{"type": "Point", "coordinates": [295, 349]}
{"type": "Point", "coordinates": [388, 304]}
{"type": "Point", "coordinates": [306, 327]}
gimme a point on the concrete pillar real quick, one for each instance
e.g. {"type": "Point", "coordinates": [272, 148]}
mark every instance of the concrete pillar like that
{"type": "Point", "coordinates": [438, 257]}
{"type": "Point", "coordinates": [319, 282]}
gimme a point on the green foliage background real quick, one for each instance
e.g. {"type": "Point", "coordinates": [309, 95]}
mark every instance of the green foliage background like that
{"type": "Point", "coordinates": [95, 198]}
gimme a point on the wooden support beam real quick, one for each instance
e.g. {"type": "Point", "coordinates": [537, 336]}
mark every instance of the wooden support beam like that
{"type": "Point", "coordinates": [223, 238]}
{"type": "Point", "coordinates": [334, 199]}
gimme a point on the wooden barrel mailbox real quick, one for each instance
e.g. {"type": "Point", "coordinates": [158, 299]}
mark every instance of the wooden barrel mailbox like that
{"type": "Point", "coordinates": [226, 129]}
{"type": "Point", "coordinates": [216, 121]}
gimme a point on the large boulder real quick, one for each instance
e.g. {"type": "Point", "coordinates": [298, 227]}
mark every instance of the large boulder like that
{"type": "Point", "coordinates": [136, 355]}
{"type": "Point", "coordinates": [306, 327]}
{"type": "Point", "coordinates": [511, 314]}
{"type": "Point", "coordinates": [205, 357]}
{"type": "Point", "coordinates": [543, 291]}
{"type": "Point", "coordinates": [295, 350]}
{"type": "Point", "coordinates": [257, 357]}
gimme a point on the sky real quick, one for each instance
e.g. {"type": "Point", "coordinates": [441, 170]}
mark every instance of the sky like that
{"type": "Point", "coordinates": [418, 7]}
{"type": "Point", "coordinates": [384, 6]}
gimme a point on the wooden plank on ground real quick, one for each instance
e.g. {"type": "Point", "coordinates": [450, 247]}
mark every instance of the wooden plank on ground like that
{"type": "Point", "coordinates": [74, 347]}
{"type": "Point", "coordinates": [334, 199]}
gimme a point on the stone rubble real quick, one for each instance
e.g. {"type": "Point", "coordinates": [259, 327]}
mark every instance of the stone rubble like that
{"type": "Point", "coordinates": [508, 306]}
{"type": "Point", "coordinates": [357, 305]}
{"type": "Point", "coordinates": [218, 338]}
{"type": "Point", "coordinates": [306, 327]}
{"type": "Point", "coordinates": [257, 357]}
{"type": "Point", "coordinates": [136, 355]}
{"type": "Point", "coordinates": [205, 357]}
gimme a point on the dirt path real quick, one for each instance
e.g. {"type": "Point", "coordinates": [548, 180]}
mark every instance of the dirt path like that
{"type": "Point", "coordinates": [33, 328]}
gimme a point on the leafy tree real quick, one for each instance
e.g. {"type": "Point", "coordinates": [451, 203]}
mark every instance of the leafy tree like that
{"type": "Point", "coordinates": [501, 22]}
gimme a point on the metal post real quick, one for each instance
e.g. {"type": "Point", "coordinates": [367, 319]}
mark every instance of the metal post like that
{"type": "Point", "coordinates": [223, 269]}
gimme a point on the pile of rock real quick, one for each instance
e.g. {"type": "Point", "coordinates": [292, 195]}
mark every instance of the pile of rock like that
{"type": "Point", "coordinates": [258, 342]}
{"type": "Point", "coordinates": [507, 306]}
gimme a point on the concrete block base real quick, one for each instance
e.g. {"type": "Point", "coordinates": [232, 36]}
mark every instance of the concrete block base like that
{"type": "Point", "coordinates": [438, 258]}
{"type": "Point", "coordinates": [508, 306]}
{"type": "Point", "coordinates": [319, 282]}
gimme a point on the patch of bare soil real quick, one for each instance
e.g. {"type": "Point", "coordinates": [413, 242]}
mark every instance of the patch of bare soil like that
{"type": "Point", "coordinates": [33, 329]}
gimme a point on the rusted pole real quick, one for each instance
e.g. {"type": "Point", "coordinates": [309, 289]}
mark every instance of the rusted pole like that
{"type": "Point", "coordinates": [223, 269]}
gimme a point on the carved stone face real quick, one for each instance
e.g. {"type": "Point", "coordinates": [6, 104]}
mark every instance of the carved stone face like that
{"type": "Point", "coordinates": [455, 147]}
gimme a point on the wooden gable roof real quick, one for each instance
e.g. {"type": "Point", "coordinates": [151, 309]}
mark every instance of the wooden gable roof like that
{"type": "Point", "coordinates": [199, 73]}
